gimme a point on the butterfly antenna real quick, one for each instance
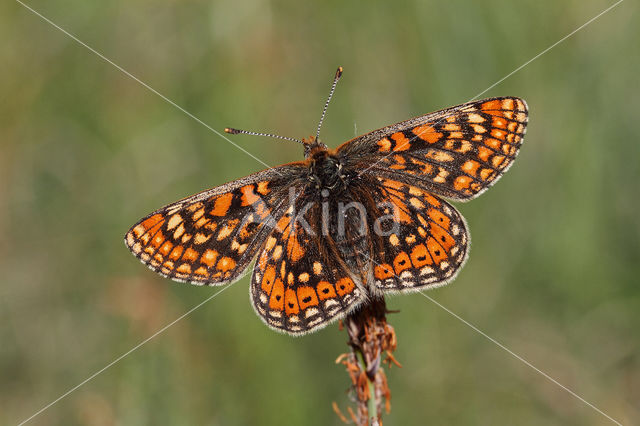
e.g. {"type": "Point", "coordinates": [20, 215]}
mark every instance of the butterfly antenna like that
{"type": "Point", "coordinates": [245, 132]}
{"type": "Point", "coordinates": [333, 88]}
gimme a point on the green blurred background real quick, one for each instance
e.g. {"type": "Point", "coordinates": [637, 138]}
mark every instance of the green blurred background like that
{"type": "Point", "coordinates": [86, 151]}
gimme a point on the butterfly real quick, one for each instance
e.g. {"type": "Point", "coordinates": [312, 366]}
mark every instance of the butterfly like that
{"type": "Point", "coordinates": [344, 225]}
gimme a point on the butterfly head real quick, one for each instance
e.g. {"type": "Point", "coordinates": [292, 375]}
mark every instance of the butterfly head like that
{"type": "Point", "coordinates": [312, 146]}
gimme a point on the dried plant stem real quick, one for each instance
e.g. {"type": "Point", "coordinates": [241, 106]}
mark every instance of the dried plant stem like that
{"type": "Point", "coordinates": [369, 338]}
{"type": "Point", "coordinates": [372, 406]}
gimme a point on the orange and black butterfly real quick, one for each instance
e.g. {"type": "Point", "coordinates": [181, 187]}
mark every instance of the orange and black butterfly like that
{"type": "Point", "coordinates": [345, 224]}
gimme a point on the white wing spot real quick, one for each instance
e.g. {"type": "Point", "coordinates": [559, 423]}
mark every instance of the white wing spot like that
{"type": "Point", "coordinates": [174, 221]}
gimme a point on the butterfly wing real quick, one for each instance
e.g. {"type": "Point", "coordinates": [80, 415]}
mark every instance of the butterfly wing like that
{"type": "Point", "coordinates": [300, 282]}
{"type": "Point", "coordinates": [427, 245]}
{"type": "Point", "coordinates": [211, 237]}
{"type": "Point", "coordinates": [456, 153]}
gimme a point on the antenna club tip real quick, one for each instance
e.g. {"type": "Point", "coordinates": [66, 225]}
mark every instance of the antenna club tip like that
{"type": "Point", "coordinates": [339, 72]}
{"type": "Point", "coordinates": [231, 131]}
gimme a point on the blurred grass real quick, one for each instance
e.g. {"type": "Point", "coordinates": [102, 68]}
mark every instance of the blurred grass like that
{"type": "Point", "coordinates": [86, 151]}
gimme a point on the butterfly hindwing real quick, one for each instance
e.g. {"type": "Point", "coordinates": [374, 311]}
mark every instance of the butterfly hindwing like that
{"type": "Point", "coordinates": [428, 245]}
{"type": "Point", "coordinates": [297, 285]}
{"type": "Point", "coordinates": [456, 153]}
{"type": "Point", "coordinates": [212, 237]}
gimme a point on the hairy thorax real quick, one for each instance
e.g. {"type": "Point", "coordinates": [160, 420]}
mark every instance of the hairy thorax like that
{"type": "Point", "coordinates": [326, 172]}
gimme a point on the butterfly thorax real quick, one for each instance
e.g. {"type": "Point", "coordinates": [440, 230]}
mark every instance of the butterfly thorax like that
{"type": "Point", "coordinates": [326, 171]}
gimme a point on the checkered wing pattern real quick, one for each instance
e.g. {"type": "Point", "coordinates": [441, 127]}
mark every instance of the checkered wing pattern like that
{"type": "Point", "coordinates": [456, 153]}
{"type": "Point", "coordinates": [212, 237]}
{"type": "Point", "coordinates": [428, 245]}
{"type": "Point", "coordinates": [313, 269]}
{"type": "Point", "coordinates": [299, 284]}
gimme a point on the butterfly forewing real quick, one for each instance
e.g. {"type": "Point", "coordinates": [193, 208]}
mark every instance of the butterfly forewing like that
{"type": "Point", "coordinates": [457, 153]}
{"type": "Point", "coordinates": [211, 237]}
